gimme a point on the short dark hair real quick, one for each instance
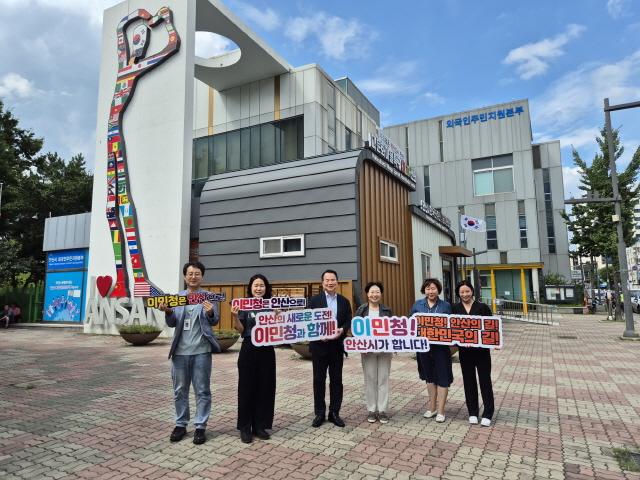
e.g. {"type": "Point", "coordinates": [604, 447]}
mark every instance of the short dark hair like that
{"type": "Point", "coordinates": [197, 265]}
{"type": "Point", "coordinates": [429, 281]}
{"type": "Point", "coordinates": [328, 271]}
{"type": "Point", "coordinates": [267, 285]}
{"type": "Point", "coordinates": [368, 286]}
{"type": "Point", "coordinates": [465, 283]}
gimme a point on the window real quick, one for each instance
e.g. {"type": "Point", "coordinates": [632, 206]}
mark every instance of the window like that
{"type": "Point", "coordinates": [548, 207]}
{"type": "Point", "coordinates": [522, 224]}
{"type": "Point", "coordinates": [267, 144]}
{"type": "Point", "coordinates": [348, 134]}
{"type": "Point", "coordinates": [233, 150]}
{"type": "Point", "coordinates": [249, 147]}
{"type": "Point", "coordinates": [425, 262]}
{"type": "Point", "coordinates": [286, 246]}
{"type": "Point", "coordinates": [492, 175]}
{"type": "Point", "coordinates": [200, 157]}
{"type": "Point", "coordinates": [255, 146]}
{"type": "Point", "coordinates": [388, 251]}
{"type": "Point", "coordinates": [219, 153]}
{"type": "Point", "coordinates": [427, 186]}
{"type": "Point", "coordinates": [503, 258]}
{"type": "Point", "coordinates": [492, 231]}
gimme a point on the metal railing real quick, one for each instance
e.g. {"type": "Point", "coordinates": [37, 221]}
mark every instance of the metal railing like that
{"type": "Point", "coordinates": [525, 312]}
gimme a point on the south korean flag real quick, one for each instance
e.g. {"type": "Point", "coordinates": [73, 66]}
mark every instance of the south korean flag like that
{"type": "Point", "coordinates": [473, 224]}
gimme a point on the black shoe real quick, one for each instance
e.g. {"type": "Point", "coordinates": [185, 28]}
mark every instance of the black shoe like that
{"type": "Point", "coordinates": [199, 437]}
{"type": "Point", "coordinates": [245, 436]}
{"type": "Point", "coordinates": [178, 434]}
{"type": "Point", "coordinates": [262, 434]}
{"type": "Point", "coordinates": [317, 421]}
{"type": "Point", "coordinates": [335, 419]}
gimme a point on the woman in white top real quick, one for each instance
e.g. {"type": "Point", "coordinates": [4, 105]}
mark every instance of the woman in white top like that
{"type": "Point", "coordinates": [376, 366]}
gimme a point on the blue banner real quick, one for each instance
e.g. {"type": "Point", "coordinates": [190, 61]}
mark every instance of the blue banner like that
{"type": "Point", "coordinates": [64, 297]}
{"type": "Point", "coordinates": [67, 260]}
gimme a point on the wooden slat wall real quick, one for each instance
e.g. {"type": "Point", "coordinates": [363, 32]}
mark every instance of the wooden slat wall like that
{"type": "Point", "coordinates": [313, 287]}
{"type": "Point", "coordinates": [385, 215]}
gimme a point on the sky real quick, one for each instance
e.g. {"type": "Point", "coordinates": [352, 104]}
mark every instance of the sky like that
{"type": "Point", "coordinates": [413, 59]}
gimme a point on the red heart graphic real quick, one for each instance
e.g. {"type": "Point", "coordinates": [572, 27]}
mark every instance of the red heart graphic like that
{"type": "Point", "coordinates": [104, 284]}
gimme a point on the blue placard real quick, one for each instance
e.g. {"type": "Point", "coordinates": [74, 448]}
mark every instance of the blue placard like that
{"type": "Point", "coordinates": [67, 260]}
{"type": "Point", "coordinates": [64, 297]}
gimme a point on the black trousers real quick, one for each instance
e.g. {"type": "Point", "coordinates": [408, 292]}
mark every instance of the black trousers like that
{"type": "Point", "coordinates": [256, 386]}
{"type": "Point", "coordinates": [323, 361]}
{"type": "Point", "coordinates": [472, 359]}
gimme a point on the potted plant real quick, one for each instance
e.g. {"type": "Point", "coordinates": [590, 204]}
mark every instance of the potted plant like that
{"type": "Point", "coordinates": [137, 334]}
{"type": "Point", "coordinates": [302, 349]}
{"type": "Point", "coordinates": [226, 338]}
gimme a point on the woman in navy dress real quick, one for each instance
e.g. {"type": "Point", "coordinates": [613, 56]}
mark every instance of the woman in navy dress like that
{"type": "Point", "coordinates": [434, 366]}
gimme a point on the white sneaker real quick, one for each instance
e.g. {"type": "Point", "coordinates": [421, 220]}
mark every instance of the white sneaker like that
{"type": "Point", "coordinates": [430, 414]}
{"type": "Point", "coordinates": [439, 418]}
{"type": "Point", "coordinates": [485, 422]}
{"type": "Point", "coordinates": [473, 420]}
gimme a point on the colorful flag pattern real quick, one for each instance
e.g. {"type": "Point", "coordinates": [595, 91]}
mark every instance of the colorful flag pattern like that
{"type": "Point", "coordinates": [120, 210]}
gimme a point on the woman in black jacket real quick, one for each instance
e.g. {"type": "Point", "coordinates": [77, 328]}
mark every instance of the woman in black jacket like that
{"type": "Point", "coordinates": [475, 358]}
{"type": "Point", "coordinates": [376, 366]}
{"type": "Point", "coordinates": [256, 371]}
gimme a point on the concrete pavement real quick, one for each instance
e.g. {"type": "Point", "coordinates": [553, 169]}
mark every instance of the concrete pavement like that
{"type": "Point", "coordinates": [81, 406]}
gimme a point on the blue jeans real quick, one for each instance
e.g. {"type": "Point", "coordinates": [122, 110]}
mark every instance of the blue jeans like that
{"type": "Point", "coordinates": [185, 370]}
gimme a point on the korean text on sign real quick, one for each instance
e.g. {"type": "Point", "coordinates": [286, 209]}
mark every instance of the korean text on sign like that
{"type": "Point", "coordinates": [295, 326]}
{"type": "Point", "coordinates": [385, 334]}
{"type": "Point", "coordinates": [275, 303]}
{"type": "Point", "coordinates": [463, 330]}
{"type": "Point", "coordinates": [182, 300]}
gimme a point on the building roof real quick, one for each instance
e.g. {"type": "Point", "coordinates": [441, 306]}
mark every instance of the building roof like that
{"type": "Point", "coordinates": [66, 232]}
{"type": "Point", "coordinates": [295, 175]}
{"type": "Point", "coordinates": [254, 60]}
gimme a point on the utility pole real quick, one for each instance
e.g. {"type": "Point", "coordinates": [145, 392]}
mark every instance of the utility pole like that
{"type": "Point", "coordinates": [476, 273]}
{"type": "Point", "coordinates": [629, 331]}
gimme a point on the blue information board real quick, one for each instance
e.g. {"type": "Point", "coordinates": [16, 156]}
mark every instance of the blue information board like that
{"type": "Point", "coordinates": [64, 297]}
{"type": "Point", "coordinates": [67, 260]}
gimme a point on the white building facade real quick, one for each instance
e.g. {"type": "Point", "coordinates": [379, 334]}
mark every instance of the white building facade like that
{"type": "Point", "coordinates": [482, 163]}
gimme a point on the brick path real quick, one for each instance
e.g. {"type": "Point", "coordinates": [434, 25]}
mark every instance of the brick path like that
{"type": "Point", "coordinates": [78, 406]}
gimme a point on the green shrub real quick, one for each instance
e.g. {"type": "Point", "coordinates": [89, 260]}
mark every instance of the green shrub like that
{"type": "Point", "coordinates": [224, 334]}
{"type": "Point", "coordinates": [138, 329]}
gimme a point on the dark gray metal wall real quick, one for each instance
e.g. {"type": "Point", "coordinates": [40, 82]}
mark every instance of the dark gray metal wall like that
{"type": "Point", "coordinates": [315, 197]}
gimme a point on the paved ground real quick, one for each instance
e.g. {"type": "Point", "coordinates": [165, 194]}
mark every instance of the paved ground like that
{"type": "Point", "coordinates": [77, 406]}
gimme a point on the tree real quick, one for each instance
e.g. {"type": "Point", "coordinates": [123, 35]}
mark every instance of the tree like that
{"type": "Point", "coordinates": [36, 186]}
{"type": "Point", "coordinates": [594, 233]}
{"type": "Point", "coordinates": [554, 279]}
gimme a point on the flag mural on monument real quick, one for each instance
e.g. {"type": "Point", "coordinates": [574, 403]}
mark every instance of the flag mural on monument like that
{"type": "Point", "coordinates": [120, 211]}
{"type": "Point", "coordinates": [122, 298]}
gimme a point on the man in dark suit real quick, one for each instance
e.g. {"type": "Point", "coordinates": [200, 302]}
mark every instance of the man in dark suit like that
{"type": "Point", "coordinates": [329, 354]}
